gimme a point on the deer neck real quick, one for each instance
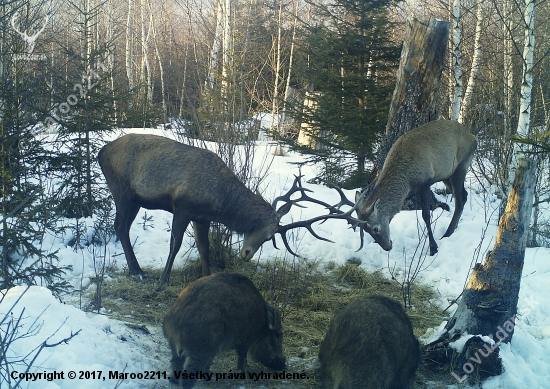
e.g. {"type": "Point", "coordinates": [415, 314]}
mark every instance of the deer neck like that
{"type": "Point", "coordinates": [242, 211]}
{"type": "Point", "coordinates": [392, 192]}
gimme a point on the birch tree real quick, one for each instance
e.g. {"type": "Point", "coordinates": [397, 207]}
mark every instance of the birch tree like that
{"type": "Point", "coordinates": [288, 93]}
{"type": "Point", "coordinates": [216, 45]}
{"type": "Point", "coordinates": [129, 40]}
{"type": "Point", "coordinates": [145, 75]}
{"type": "Point", "coordinates": [526, 84]}
{"type": "Point", "coordinates": [159, 59]}
{"type": "Point", "coordinates": [275, 105]}
{"type": "Point", "coordinates": [456, 60]}
{"type": "Point", "coordinates": [467, 99]}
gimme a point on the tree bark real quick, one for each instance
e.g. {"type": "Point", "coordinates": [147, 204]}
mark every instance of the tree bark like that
{"type": "Point", "coordinates": [418, 79]}
{"type": "Point", "coordinates": [129, 46]}
{"type": "Point", "coordinates": [526, 84]}
{"type": "Point", "coordinates": [216, 45]}
{"type": "Point", "coordinates": [489, 303]}
{"type": "Point", "coordinates": [286, 120]}
{"type": "Point", "coordinates": [476, 58]}
{"type": "Point", "coordinates": [456, 61]}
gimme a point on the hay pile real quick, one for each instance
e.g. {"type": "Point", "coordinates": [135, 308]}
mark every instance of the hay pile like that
{"type": "Point", "coordinates": [306, 294]}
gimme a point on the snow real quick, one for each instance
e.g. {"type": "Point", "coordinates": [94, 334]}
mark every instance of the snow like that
{"type": "Point", "coordinates": [103, 344]}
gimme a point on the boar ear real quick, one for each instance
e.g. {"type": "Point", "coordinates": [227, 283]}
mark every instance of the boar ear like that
{"type": "Point", "coordinates": [272, 316]}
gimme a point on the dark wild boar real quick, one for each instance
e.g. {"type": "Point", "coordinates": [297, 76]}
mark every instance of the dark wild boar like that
{"type": "Point", "coordinates": [218, 313]}
{"type": "Point", "coordinates": [369, 345]}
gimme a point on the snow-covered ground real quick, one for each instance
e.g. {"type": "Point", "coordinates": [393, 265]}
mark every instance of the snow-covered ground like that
{"type": "Point", "coordinates": [105, 345]}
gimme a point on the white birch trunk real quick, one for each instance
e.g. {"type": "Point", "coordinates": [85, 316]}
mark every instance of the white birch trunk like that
{"type": "Point", "coordinates": [129, 72]}
{"type": "Point", "coordinates": [216, 46]}
{"type": "Point", "coordinates": [508, 67]}
{"type": "Point", "coordinates": [111, 55]}
{"type": "Point", "coordinates": [526, 84]}
{"type": "Point", "coordinates": [275, 105]}
{"type": "Point", "coordinates": [456, 61]}
{"type": "Point", "coordinates": [145, 76]}
{"type": "Point", "coordinates": [227, 49]}
{"type": "Point", "coordinates": [161, 68]}
{"type": "Point", "coordinates": [284, 119]}
{"type": "Point", "coordinates": [466, 101]}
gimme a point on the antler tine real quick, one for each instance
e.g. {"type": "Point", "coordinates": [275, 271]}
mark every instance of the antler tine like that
{"type": "Point", "coordinates": [285, 241]}
{"type": "Point", "coordinates": [13, 19]}
{"type": "Point", "coordinates": [362, 235]}
{"type": "Point", "coordinates": [308, 224]}
{"type": "Point", "coordinates": [343, 199]}
{"type": "Point", "coordinates": [296, 187]}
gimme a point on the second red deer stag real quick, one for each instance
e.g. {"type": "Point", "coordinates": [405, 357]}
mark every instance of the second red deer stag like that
{"type": "Point", "coordinates": [195, 185]}
{"type": "Point", "coordinates": [441, 150]}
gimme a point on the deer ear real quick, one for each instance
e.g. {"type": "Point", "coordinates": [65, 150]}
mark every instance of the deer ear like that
{"type": "Point", "coordinates": [284, 209]}
{"type": "Point", "coordinates": [372, 209]}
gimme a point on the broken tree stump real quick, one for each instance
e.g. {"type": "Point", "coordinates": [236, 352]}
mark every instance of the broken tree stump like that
{"type": "Point", "coordinates": [488, 305]}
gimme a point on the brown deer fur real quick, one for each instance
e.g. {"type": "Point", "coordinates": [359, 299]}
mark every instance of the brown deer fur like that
{"type": "Point", "coordinates": [441, 150]}
{"type": "Point", "coordinates": [194, 184]}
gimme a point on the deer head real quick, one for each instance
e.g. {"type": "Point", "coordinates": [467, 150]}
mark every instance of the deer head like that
{"type": "Point", "coordinates": [29, 39]}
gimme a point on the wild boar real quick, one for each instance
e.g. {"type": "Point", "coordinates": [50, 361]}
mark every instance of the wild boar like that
{"type": "Point", "coordinates": [218, 313]}
{"type": "Point", "coordinates": [369, 345]}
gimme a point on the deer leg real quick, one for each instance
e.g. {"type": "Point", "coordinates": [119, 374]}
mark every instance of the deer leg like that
{"type": "Point", "coordinates": [179, 224]}
{"type": "Point", "coordinates": [460, 195]}
{"type": "Point", "coordinates": [425, 195]}
{"type": "Point", "coordinates": [201, 238]}
{"type": "Point", "coordinates": [126, 212]}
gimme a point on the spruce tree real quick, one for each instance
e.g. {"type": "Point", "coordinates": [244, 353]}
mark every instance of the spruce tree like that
{"type": "Point", "coordinates": [348, 61]}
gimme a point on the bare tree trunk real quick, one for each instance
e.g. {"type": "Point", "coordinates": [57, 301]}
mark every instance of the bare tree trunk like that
{"type": "Point", "coordinates": [145, 76]}
{"type": "Point", "coordinates": [227, 49]}
{"type": "Point", "coordinates": [526, 84]}
{"type": "Point", "coordinates": [129, 53]}
{"type": "Point", "coordinates": [489, 303]}
{"type": "Point", "coordinates": [288, 92]}
{"type": "Point", "coordinates": [111, 56]}
{"type": "Point", "coordinates": [456, 61]}
{"type": "Point", "coordinates": [475, 63]}
{"type": "Point", "coordinates": [216, 45]}
{"type": "Point", "coordinates": [275, 105]}
{"type": "Point", "coordinates": [418, 80]}
{"type": "Point", "coordinates": [508, 67]}
{"type": "Point", "coordinates": [161, 68]}
{"type": "Point", "coordinates": [182, 95]}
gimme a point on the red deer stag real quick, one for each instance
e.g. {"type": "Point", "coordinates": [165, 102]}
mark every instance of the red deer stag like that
{"type": "Point", "coordinates": [437, 151]}
{"type": "Point", "coordinates": [195, 185]}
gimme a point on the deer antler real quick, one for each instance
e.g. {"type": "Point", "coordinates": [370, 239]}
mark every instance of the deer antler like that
{"type": "Point", "coordinates": [334, 213]}
{"type": "Point", "coordinates": [29, 39]}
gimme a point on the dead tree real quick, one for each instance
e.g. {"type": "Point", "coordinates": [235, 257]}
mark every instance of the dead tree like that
{"type": "Point", "coordinates": [489, 303]}
{"type": "Point", "coordinates": [418, 79]}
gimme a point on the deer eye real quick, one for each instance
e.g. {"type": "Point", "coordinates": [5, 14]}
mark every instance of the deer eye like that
{"type": "Point", "coordinates": [375, 230]}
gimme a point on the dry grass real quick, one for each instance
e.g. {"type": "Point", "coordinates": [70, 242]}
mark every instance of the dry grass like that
{"type": "Point", "coordinates": [306, 295]}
